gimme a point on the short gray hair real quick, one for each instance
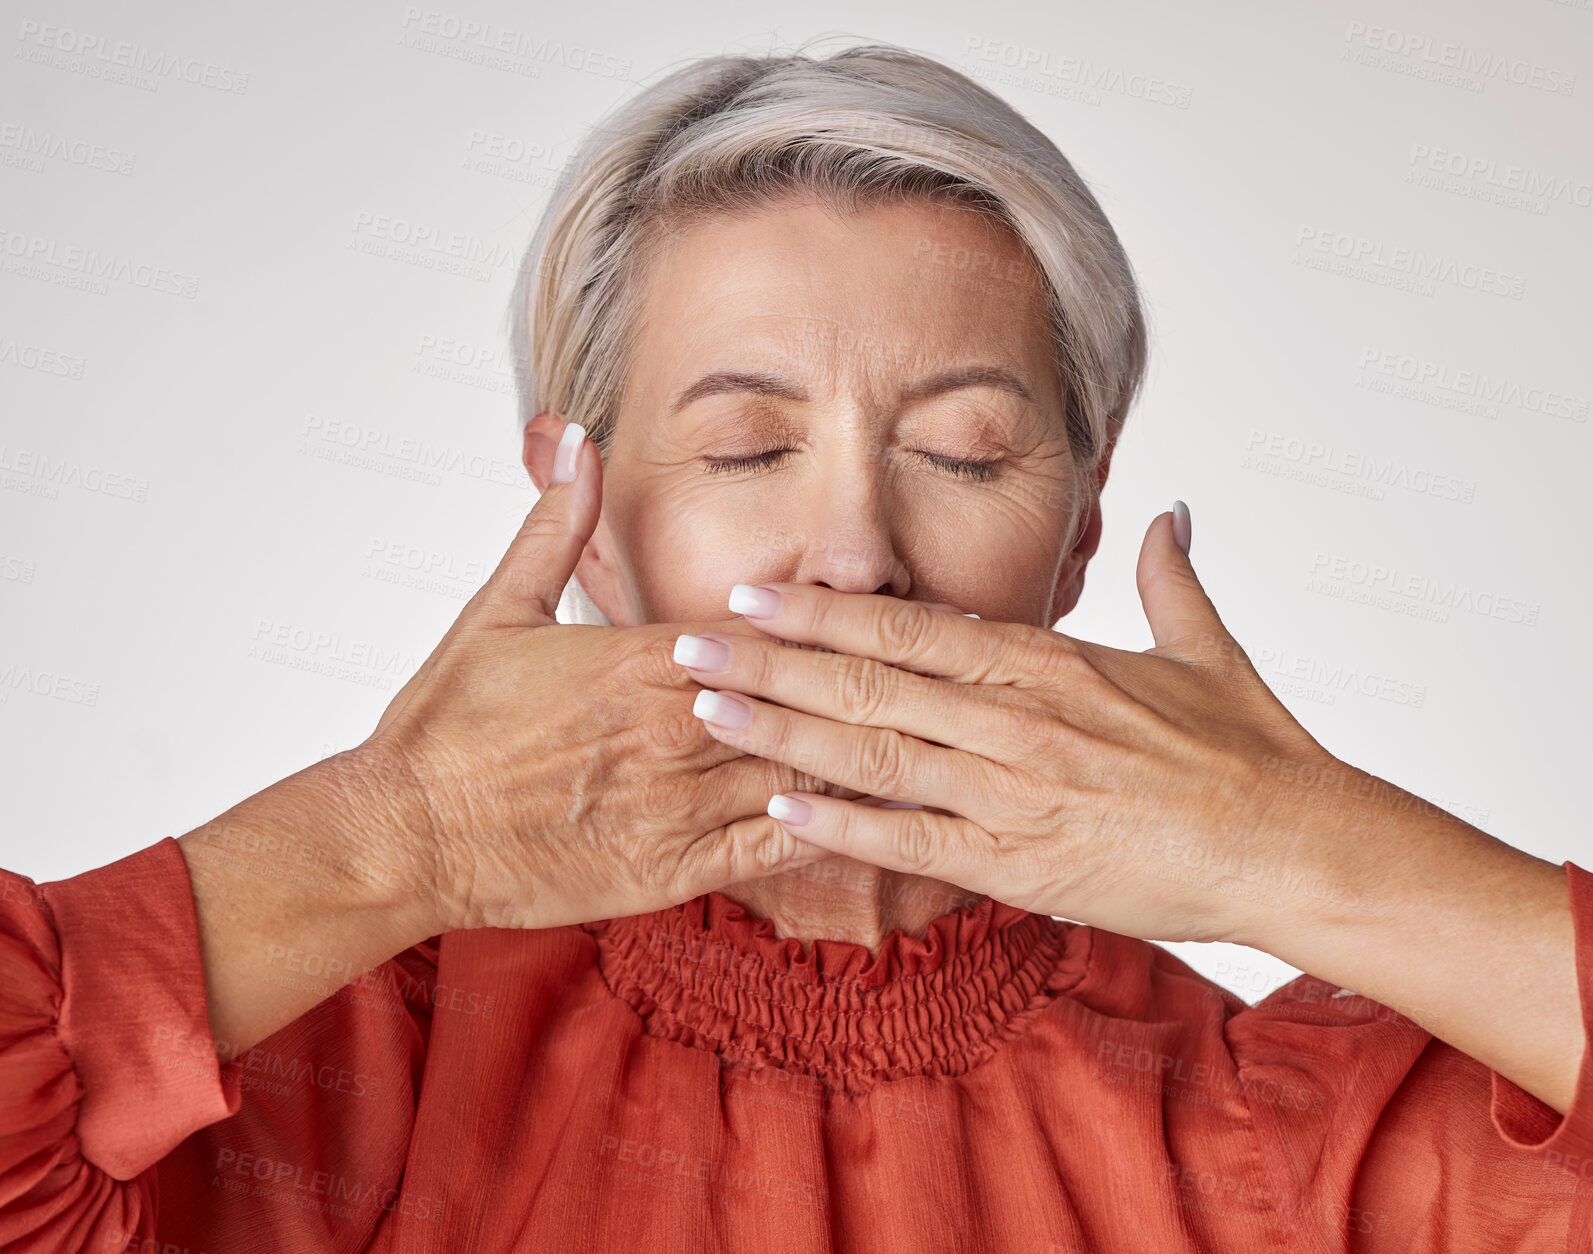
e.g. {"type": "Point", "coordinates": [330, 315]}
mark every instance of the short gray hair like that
{"type": "Point", "coordinates": [872, 122]}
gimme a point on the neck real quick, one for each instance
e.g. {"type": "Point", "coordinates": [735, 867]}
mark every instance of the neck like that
{"type": "Point", "coordinates": [840, 898]}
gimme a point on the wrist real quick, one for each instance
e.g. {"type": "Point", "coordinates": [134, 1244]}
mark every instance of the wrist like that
{"type": "Point", "coordinates": [1322, 844]}
{"type": "Point", "coordinates": [303, 887]}
{"type": "Point", "coordinates": [385, 851]}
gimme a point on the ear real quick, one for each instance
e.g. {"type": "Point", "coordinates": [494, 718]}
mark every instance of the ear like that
{"type": "Point", "coordinates": [1070, 578]}
{"type": "Point", "coordinates": [596, 569]}
{"type": "Point", "coordinates": [539, 442]}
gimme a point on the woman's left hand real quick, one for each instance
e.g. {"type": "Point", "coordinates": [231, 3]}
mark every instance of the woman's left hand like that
{"type": "Point", "coordinates": [1138, 792]}
{"type": "Point", "coordinates": [1166, 795]}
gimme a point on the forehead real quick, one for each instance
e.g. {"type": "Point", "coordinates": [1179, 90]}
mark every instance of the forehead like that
{"type": "Point", "coordinates": [885, 288]}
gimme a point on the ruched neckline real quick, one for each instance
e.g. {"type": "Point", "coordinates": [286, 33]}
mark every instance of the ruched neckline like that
{"type": "Point", "coordinates": [708, 975]}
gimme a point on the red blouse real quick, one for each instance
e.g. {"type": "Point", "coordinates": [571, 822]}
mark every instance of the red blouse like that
{"type": "Point", "coordinates": [686, 1080]}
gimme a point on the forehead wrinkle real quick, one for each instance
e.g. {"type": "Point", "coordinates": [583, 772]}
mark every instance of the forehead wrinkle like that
{"type": "Point", "coordinates": [762, 383]}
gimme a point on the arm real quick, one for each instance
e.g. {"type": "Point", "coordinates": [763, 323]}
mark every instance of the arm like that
{"type": "Point", "coordinates": [1157, 795]}
{"type": "Point", "coordinates": [1414, 908]}
{"type": "Point", "coordinates": [109, 1076]}
{"type": "Point", "coordinates": [305, 886]}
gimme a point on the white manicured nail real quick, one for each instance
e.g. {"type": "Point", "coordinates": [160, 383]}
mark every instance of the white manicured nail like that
{"type": "Point", "coordinates": [702, 654]}
{"type": "Point", "coordinates": [568, 455]}
{"type": "Point", "coordinates": [792, 811]}
{"type": "Point", "coordinates": [721, 709]}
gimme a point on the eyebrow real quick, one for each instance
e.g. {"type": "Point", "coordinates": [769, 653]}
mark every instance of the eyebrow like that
{"type": "Point", "coordinates": [721, 382]}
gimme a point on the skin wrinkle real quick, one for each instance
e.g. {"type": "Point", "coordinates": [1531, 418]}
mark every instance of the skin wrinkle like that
{"type": "Point", "coordinates": [837, 305]}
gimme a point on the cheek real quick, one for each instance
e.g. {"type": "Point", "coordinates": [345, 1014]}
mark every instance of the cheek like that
{"type": "Point", "coordinates": [996, 556]}
{"type": "Point", "coordinates": [688, 546]}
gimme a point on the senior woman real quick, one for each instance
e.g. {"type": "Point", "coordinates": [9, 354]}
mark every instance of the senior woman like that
{"type": "Point", "coordinates": [651, 931]}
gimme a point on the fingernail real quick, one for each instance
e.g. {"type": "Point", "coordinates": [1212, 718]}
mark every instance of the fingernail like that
{"type": "Point", "coordinates": [1181, 529]}
{"type": "Point", "coordinates": [721, 710]}
{"type": "Point", "coordinates": [702, 654]}
{"type": "Point", "coordinates": [568, 455]}
{"type": "Point", "coordinates": [754, 602]}
{"type": "Point", "coordinates": [789, 810]}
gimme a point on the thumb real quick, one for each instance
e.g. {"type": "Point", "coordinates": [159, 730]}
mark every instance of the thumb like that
{"type": "Point", "coordinates": [1181, 616]}
{"type": "Point", "coordinates": [525, 588]}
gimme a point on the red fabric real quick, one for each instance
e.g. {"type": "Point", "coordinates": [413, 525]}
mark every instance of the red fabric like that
{"type": "Point", "coordinates": [687, 1080]}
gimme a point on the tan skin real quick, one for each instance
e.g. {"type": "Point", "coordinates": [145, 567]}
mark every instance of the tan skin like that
{"type": "Point", "coordinates": [533, 774]}
{"type": "Point", "coordinates": [797, 292]}
{"type": "Point", "coordinates": [1144, 793]}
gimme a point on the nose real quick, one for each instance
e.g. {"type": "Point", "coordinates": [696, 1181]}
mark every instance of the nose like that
{"type": "Point", "coordinates": [855, 560]}
{"type": "Point", "coordinates": [885, 589]}
{"type": "Point", "coordinates": [882, 574]}
{"type": "Point", "coordinates": [849, 541]}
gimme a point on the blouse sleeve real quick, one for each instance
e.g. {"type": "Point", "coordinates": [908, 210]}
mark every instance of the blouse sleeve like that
{"type": "Point", "coordinates": [118, 1126]}
{"type": "Point", "coordinates": [315, 1157]}
{"type": "Point", "coordinates": [101, 995]}
{"type": "Point", "coordinates": [1408, 1144]}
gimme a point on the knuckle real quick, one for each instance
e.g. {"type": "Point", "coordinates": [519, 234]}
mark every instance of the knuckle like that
{"type": "Point", "coordinates": [778, 742]}
{"type": "Point", "coordinates": [862, 685]}
{"type": "Point", "coordinates": [757, 666]}
{"type": "Point", "coordinates": [672, 733]}
{"type": "Point", "coordinates": [1035, 796]}
{"type": "Point", "coordinates": [769, 849]}
{"type": "Point", "coordinates": [634, 658]}
{"type": "Point", "coordinates": [1064, 657]}
{"type": "Point", "coordinates": [901, 629]}
{"type": "Point", "coordinates": [650, 865]}
{"type": "Point", "coordinates": [1032, 740]}
{"type": "Point", "coordinates": [883, 765]}
{"type": "Point", "coordinates": [914, 841]}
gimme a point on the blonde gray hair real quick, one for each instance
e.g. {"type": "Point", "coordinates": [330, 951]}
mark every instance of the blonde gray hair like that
{"type": "Point", "coordinates": [729, 134]}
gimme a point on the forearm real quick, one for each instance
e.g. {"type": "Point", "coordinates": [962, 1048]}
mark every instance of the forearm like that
{"type": "Point", "coordinates": [1418, 910]}
{"type": "Point", "coordinates": [302, 888]}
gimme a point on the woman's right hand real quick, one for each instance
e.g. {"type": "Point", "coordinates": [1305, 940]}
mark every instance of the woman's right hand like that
{"type": "Point", "coordinates": [558, 773]}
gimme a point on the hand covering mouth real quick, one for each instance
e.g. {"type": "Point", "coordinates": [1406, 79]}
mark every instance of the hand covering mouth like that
{"type": "Point", "coordinates": [812, 783]}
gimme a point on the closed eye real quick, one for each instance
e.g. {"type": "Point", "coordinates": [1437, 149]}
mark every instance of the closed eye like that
{"type": "Point", "coordinates": [964, 470]}
{"type": "Point", "coordinates": [767, 460]}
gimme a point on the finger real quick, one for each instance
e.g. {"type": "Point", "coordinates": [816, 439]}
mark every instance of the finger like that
{"type": "Point", "coordinates": [908, 634]}
{"type": "Point", "coordinates": [749, 849]}
{"type": "Point", "coordinates": [849, 689]}
{"type": "Point", "coordinates": [945, 847]}
{"type": "Point", "coordinates": [1181, 616]}
{"type": "Point", "coordinates": [741, 786]}
{"type": "Point", "coordinates": [525, 588]}
{"type": "Point", "coordinates": [881, 762]}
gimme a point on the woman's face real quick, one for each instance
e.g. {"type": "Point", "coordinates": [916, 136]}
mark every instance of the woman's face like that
{"type": "Point", "coordinates": [865, 401]}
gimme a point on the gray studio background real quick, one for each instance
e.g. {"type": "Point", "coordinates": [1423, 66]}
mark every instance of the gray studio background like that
{"type": "Point", "coordinates": [250, 474]}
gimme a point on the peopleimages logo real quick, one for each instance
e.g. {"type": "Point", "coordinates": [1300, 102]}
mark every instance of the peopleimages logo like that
{"type": "Point", "coordinates": [44, 360]}
{"type": "Point", "coordinates": [500, 47]}
{"type": "Point", "coordinates": [24, 253]}
{"type": "Point", "coordinates": [1411, 263]}
{"type": "Point", "coordinates": [1354, 465]}
{"type": "Point", "coordinates": [1048, 67]}
{"type": "Point", "coordinates": [99, 57]}
{"type": "Point", "coordinates": [1421, 373]}
{"type": "Point", "coordinates": [1412, 592]}
{"type": "Point", "coordinates": [1489, 173]}
{"type": "Point", "coordinates": [36, 147]}
{"type": "Point", "coordinates": [1434, 57]}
